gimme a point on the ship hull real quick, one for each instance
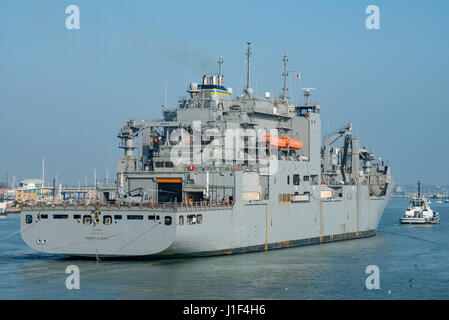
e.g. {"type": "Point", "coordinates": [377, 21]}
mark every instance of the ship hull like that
{"type": "Point", "coordinates": [247, 226]}
{"type": "Point", "coordinates": [420, 221]}
{"type": "Point", "coordinates": [417, 220]}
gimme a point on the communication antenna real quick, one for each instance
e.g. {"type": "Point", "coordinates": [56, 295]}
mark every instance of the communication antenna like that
{"type": "Point", "coordinates": [220, 71]}
{"type": "Point", "coordinates": [285, 75]}
{"type": "Point", "coordinates": [220, 67]}
{"type": "Point", "coordinates": [307, 95]}
{"type": "Point", "coordinates": [248, 55]}
{"type": "Point", "coordinates": [419, 189]}
{"type": "Point", "coordinates": [43, 171]}
{"type": "Point", "coordinates": [165, 93]}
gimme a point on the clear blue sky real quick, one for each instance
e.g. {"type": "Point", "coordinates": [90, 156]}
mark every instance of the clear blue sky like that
{"type": "Point", "coordinates": [65, 94]}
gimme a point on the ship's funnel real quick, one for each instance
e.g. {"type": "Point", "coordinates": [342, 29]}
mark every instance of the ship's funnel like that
{"type": "Point", "coordinates": [205, 80]}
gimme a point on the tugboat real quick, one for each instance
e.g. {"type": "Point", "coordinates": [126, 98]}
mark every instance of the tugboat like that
{"type": "Point", "coordinates": [419, 211]}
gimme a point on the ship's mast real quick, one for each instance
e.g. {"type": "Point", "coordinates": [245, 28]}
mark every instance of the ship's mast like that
{"type": "Point", "coordinates": [43, 171]}
{"type": "Point", "coordinates": [220, 66]}
{"type": "Point", "coordinates": [248, 55]}
{"type": "Point", "coordinates": [419, 189]}
{"type": "Point", "coordinates": [285, 75]}
{"type": "Point", "coordinates": [220, 71]}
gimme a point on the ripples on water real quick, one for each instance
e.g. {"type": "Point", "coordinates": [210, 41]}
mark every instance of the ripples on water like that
{"type": "Point", "coordinates": [331, 271]}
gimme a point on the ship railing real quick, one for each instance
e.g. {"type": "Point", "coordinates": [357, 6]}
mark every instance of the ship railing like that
{"type": "Point", "coordinates": [132, 206]}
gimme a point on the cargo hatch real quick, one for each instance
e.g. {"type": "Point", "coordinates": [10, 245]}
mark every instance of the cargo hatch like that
{"type": "Point", "coordinates": [169, 190]}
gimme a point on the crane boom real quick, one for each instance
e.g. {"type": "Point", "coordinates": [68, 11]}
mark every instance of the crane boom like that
{"type": "Point", "coordinates": [330, 139]}
{"type": "Point", "coordinates": [334, 136]}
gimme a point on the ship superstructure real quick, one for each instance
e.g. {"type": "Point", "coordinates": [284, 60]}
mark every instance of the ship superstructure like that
{"type": "Point", "coordinates": [222, 174]}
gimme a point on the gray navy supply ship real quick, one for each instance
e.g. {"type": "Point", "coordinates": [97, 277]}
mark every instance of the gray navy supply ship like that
{"type": "Point", "coordinates": [222, 175]}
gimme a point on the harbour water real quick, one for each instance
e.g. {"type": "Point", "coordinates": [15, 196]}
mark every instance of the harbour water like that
{"type": "Point", "coordinates": [413, 263]}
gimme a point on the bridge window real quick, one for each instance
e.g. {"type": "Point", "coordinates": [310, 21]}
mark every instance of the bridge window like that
{"type": "Point", "coordinates": [151, 217]}
{"type": "Point", "coordinates": [118, 217]}
{"type": "Point", "coordinates": [76, 216]}
{"type": "Point", "coordinates": [29, 218]}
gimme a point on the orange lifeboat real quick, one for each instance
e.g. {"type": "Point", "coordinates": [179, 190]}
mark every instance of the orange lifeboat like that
{"type": "Point", "coordinates": [292, 144]}
{"type": "Point", "coordinates": [274, 142]}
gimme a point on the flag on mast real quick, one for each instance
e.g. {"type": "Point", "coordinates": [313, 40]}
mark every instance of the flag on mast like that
{"type": "Point", "coordinates": [298, 75]}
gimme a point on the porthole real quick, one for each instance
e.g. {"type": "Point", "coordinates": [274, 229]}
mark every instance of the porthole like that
{"type": "Point", "coordinates": [107, 220]}
{"type": "Point", "coordinates": [167, 220]}
{"type": "Point", "coordinates": [87, 219]}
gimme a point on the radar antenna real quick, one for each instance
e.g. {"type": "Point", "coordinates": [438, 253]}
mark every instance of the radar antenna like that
{"type": "Point", "coordinates": [307, 95]}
